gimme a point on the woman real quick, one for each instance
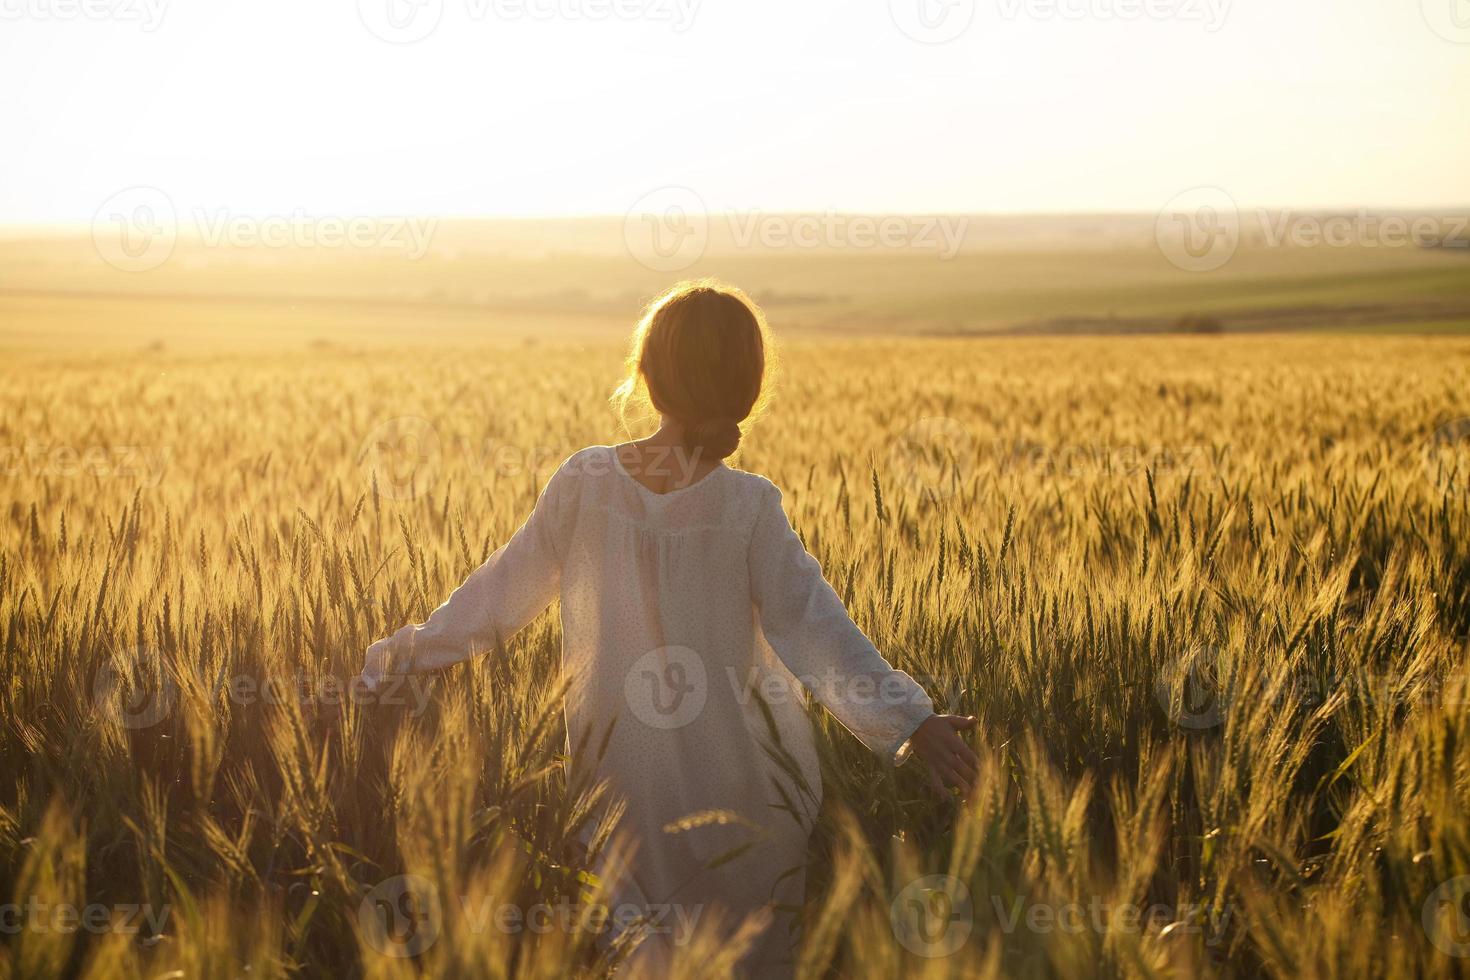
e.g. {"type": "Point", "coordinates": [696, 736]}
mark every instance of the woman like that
{"type": "Point", "coordinates": [692, 620]}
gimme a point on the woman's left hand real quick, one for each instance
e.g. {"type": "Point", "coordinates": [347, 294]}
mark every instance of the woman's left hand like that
{"type": "Point", "coordinates": [951, 762]}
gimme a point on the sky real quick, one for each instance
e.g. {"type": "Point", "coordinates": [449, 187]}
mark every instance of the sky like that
{"type": "Point", "coordinates": [573, 107]}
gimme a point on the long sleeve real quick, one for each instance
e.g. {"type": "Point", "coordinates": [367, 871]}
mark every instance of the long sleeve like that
{"type": "Point", "coordinates": [807, 626]}
{"type": "Point", "coordinates": [510, 589]}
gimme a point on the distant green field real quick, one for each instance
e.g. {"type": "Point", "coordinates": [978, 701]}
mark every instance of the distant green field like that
{"type": "Point", "coordinates": [580, 279]}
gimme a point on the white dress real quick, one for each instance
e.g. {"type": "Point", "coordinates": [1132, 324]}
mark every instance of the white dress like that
{"type": "Point", "coordinates": [681, 614]}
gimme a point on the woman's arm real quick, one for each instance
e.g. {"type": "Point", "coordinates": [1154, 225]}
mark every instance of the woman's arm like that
{"type": "Point", "coordinates": [513, 586]}
{"type": "Point", "coordinates": [808, 627]}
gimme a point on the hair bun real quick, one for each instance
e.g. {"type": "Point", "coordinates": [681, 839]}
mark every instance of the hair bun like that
{"type": "Point", "coordinates": [714, 438]}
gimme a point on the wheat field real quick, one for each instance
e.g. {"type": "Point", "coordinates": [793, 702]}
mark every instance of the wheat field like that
{"type": "Point", "coordinates": [1208, 597]}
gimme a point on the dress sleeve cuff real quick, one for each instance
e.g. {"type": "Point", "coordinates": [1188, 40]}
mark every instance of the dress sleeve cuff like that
{"type": "Point", "coordinates": [898, 754]}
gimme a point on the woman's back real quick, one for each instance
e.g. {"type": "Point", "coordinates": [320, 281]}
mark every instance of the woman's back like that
{"type": "Point", "coordinates": [666, 673]}
{"type": "Point", "coordinates": [694, 623]}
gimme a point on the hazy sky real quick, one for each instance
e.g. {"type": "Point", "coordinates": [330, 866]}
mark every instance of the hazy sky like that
{"type": "Point", "coordinates": [584, 106]}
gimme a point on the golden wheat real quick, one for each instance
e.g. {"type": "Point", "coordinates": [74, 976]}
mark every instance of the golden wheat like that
{"type": "Point", "coordinates": [1209, 599]}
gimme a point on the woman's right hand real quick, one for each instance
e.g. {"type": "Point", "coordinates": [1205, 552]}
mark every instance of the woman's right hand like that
{"type": "Point", "coordinates": [374, 662]}
{"type": "Point", "coordinates": [950, 761]}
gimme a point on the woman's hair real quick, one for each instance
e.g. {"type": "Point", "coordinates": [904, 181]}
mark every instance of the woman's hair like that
{"type": "Point", "coordinates": [700, 357]}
